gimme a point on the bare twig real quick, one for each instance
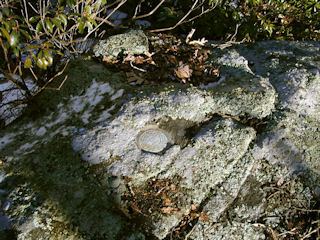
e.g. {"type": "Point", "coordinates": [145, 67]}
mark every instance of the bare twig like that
{"type": "Point", "coordinates": [180, 21]}
{"type": "Point", "coordinates": [106, 18]}
{"type": "Point", "coordinates": [33, 74]}
{"type": "Point", "coordinates": [190, 34]}
{"type": "Point", "coordinates": [310, 233]}
{"type": "Point", "coordinates": [200, 14]}
{"type": "Point", "coordinates": [189, 233]}
{"type": "Point", "coordinates": [60, 86]}
{"type": "Point", "coordinates": [149, 13]}
{"type": "Point", "coordinates": [33, 8]}
{"type": "Point", "coordinates": [139, 69]}
{"type": "Point", "coordinates": [50, 80]}
{"type": "Point", "coordinates": [291, 232]}
{"type": "Point", "coordinates": [235, 32]}
{"type": "Point", "coordinates": [307, 210]}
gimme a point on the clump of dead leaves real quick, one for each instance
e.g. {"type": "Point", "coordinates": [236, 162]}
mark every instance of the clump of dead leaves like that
{"type": "Point", "coordinates": [157, 196]}
{"type": "Point", "coordinates": [161, 197]}
{"type": "Point", "coordinates": [170, 60]}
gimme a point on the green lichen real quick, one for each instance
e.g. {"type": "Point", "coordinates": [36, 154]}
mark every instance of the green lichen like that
{"type": "Point", "coordinates": [133, 42]}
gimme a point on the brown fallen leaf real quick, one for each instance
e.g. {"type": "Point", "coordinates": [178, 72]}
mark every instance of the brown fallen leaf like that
{"type": "Point", "coordinates": [133, 77]}
{"type": "Point", "coordinates": [170, 210]}
{"type": "Point", "coordinates": [183, 71]}
{"type": "Point", "coordinates": [108, 60]}
{"type": "Point", "coordinates": [204, 217]}
{"type": "Point", "coordinates": [193, 207]}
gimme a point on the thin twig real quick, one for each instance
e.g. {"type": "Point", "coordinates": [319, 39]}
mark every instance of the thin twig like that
{"type": "Point", "coordinates": [180, 21]}
{"type": "Point", "coordinates": [140, 69]}
{"type": "Point", "coordinates": [307, 210]}
{"type": "Point", "coordinates": [199, 15]}
{"type": "Point", "coordinates": [149, 13]}
{"type": "Point", "coordinates": [33, 74]}
{"type": "Point", "coordinates": [310, 233]}
{"type": "Point", "coordinates": [60, 86]}
{"type": "Point", "coordinates": [189, 233]}
{"type": "Point", "coordinates": [235, 33]}
{"type": "Point", "coordinates": [112, 12]}
{"type": "Point", "coordinates": [33, 8]}
{"type": "Point", "coordinates": [51, 79]}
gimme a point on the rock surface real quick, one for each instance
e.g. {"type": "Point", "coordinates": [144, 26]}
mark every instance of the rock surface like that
{"type": "Point", "coordinates": [132, 42]}
{"type": "Point", "coordinates": [74, 171]}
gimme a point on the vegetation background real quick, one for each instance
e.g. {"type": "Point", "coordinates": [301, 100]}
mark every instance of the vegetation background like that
{"type": "Point", "coordinates": [35, 33]}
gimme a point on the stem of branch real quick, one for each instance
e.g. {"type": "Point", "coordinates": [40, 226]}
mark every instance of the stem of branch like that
{"type": "Point", "coordinates": [180, 21]}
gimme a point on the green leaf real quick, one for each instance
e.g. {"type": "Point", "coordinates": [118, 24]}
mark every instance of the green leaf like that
{"type": "Point", "coordinates": [48, 56]}
{"type": "Point", "coordinates": [88, 10]}
{"type": "Point", "coordinates": [26, 34]}
{"type": "Point", "coordinates": [8, 25]}
{"type": "Point", "coordinates": [40, 63]}
{"type": "Point", "coordinates": [70, 2]}
{"type": "Point", "coordinates": [34, 19]}
{"type": "Point", "coordinates": [16, 52]}
{"type": "Point", "coordinates": [6, 11]}
{"type": "Point", "coordinates": [57, 23]}
{"type": "Point", "coordinates": [27, 62]}
{"type": "Point", "coordinates": [49, 26]}
{"type": "Point", "coordinates": [89, 26]}
{"type": "Point", "coordinates": [60, 53]}
{"type": "Point", "coordinates": [5, 33]}
{"type": "Point", "coordinates": [93, 21]}
{"type": "Point", "coordinates": [45, 63]}
{"type": "Point", "coordinates": [81, 27]}
{"type": "Point", "coordinates": [14, 39]}
{"type": "Point", "coordinates": [64, 19]}
{"type": "Point", "coordinates": [39, 27]}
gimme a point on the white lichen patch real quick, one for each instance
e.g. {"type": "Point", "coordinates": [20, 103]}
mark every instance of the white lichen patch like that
{"type": "Point", "coordinates": [6, 139]}
{"type": "Point", "coordinates": [62, 116]}
{"type": "Point", "coordinates": [26, 148]}
{"type": "Point", "coordinates": [105, 114]}
{"type": "Point", "coordinates": [41, 131]}
{"type": "Point", "coordinates": [299, 90]}
{"type": "Point", "coordinates": [93, 95]}
{"type": "Point", "coordinates": [9, 110]}
{"type": "Point", "coordinates": [118, 94]}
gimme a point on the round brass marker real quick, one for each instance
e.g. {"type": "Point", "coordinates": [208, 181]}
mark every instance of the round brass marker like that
{"type": "Point", "coordinates": [152, 139]}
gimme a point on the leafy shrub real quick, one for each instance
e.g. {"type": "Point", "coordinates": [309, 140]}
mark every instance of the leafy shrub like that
{"type": "Point", "coordinates": [263, 20]}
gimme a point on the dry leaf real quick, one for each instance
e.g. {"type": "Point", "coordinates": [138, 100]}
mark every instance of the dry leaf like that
{"type": "Point", "coordinates": [195, 215]}
{"type": "Point", "coordinates": [173, 187]}
{"type": "Point", "coordinates": [193, 207]}
{"type": "Point", "coordinates": [132, 77]}
{"type": "Point", "coordinates": [108, 60]}
{"type": "Point", "coordinates": [170, 210]}
{"type": "Point", "coordinates": [190, 34]}
{"type": "Point", "coordinates": [280, 182]}
{"type": "Point", "coordinates": [183, 71]}
{"type": "Point", "coordinates": [129, 58]}
{"type": "Point", "coordinates": [187, 212]}
{"type": "Point", "coordinates": [135, 208]}
{"type": "Point", "coordinates": [204, 217]}
{"type": "Point", "coordinates": [199, 42]}
{"type": "Point", "coordinates": [275, 235]}
{"type": "Point", "coordinates": [167, 202]}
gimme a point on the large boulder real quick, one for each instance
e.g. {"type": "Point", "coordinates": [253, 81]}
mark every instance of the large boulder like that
{"type": "Point", "coordinates": [132, 42]}
{"type": "Point", "coordinates": [74, 168]}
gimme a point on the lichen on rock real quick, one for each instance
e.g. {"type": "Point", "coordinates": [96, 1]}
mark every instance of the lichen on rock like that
{"type": "Point", "coordinates": [78, 172]}
{"type": "Point", "coordinates": [132, 42]}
